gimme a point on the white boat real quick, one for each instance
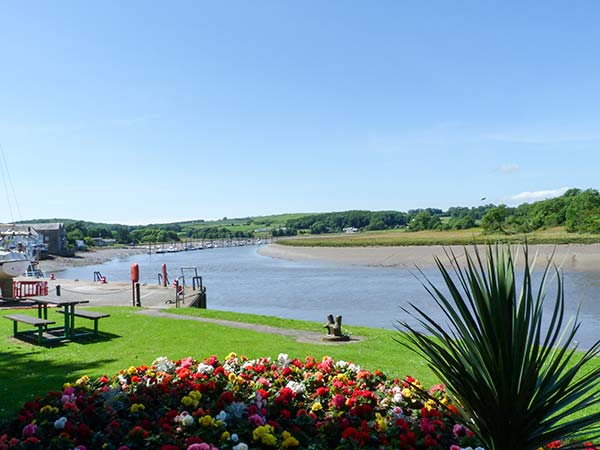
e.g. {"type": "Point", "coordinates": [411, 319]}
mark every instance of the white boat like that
{"type": "Point", "coordinates": [12, 264]}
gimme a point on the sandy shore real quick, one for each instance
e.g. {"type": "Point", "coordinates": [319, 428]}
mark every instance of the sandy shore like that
{"type": "Point", "coordinates": [91, 257]}
{"type": "Point", "coordinates": [572, 257]}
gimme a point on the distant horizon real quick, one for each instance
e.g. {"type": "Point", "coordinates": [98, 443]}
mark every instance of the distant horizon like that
{"type": "Point", "coordinates": [233, 217]}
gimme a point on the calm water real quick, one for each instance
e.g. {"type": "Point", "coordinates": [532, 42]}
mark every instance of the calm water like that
{"type": "Point", "coordinates": [238, 279]}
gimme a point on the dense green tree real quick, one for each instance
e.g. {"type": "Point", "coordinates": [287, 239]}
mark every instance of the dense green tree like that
{"type": "Point", "coordinates": [494, 220]}
{"type": "Point", "coordinates": [583, 212]}
{"type": "Point", "coordinates": [423, 220]}
{"type": "Point", "coordinates": [318, 228]}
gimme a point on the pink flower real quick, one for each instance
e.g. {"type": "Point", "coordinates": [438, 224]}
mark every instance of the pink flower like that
{"type": "Point", "coordinates": [338, 401]}
{"type": "Point", "coordinates": [256, 420]}
{"type": "Point", "coordinates": [202, 446]}
{"type": "Point", "coordinates": [29, 430]}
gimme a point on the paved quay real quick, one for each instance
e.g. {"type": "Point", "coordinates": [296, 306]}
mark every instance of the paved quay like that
{"type": "Point", "coordinates": [116, 293]}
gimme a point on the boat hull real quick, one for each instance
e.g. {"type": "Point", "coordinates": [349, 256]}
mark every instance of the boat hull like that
{"type": "Point", "coordinates": [14, 268]}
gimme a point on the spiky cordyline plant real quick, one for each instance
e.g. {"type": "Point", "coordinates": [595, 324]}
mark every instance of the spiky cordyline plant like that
{"type": "Point", "coordinates": [519, 383]}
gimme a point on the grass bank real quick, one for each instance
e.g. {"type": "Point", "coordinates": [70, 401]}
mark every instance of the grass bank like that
{"type": "Point", "coordinates": [129, 338]}
{"type": "Point", "coordinates": [556, 235]}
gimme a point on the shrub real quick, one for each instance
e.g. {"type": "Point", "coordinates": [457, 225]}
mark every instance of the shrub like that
{"type": "Point", "coordinates": [518, 380]}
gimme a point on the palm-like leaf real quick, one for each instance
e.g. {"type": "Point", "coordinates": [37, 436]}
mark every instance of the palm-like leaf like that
{"type": "Point", "coordinates": [518, 382]}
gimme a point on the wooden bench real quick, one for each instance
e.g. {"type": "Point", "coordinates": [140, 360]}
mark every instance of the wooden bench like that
{"type": "Point", "coordinates": [41, 324]}
{"type": "Point", "coordinates": [92, 315]}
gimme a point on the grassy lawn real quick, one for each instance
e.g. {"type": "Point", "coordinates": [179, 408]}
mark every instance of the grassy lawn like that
{"type": "Point", "coordinates": [128, 338]}
{"type": "Point", "coordinates": [556, 235]}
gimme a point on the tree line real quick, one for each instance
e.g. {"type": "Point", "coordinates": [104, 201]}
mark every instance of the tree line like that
{"type": "Point", "coordinates": [577, 210]}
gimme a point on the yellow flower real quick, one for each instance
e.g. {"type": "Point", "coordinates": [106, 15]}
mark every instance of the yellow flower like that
{"type": "Point", "coordinates": [430, 404]}
{"type": "Point", "coordinates": [137, 407]}
{"type": "Point", "coordinates": [269, 439]}
{"type": "Point", "coordinates": [46, 409]}
{"type": "Point", "coordinates": [342, 377]}
{"type": "Point", "coordinates": [407, 393]}
{"type": "Point", "coordinates": [83, 380]}
{"type": "Point", "coordinates": [131, 370]}
{"type": "Point", "coordinates": [66, 385]}
{"type": "Point", "coordinates": [231, 355]}
{"type": "Point", "coordinates": [316, 407]}
{"type": "Point", "coordinates": [289, 440]}
{"type": "Point", "coordinates": [261, 433]}
{"type": "Point", "coordinates": [187, 401]}
{"type": "Point", "coordinates": [381, 423]}
{"type": "Point", "coordinates": [232, 377]}
{"type": "Point", "coordinates": [206, 421]}
{"type": "Point", "coordinates": [196, 395]}
{"type": "Point", "coordinates": [226, 435]}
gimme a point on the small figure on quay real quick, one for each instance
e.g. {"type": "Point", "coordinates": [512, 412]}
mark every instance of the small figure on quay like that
{"type": "Point", "coordinates": [334, 329]}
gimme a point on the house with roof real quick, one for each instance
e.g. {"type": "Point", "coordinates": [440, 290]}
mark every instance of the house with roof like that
{"type": "Point", "coordinates": [55, 236]}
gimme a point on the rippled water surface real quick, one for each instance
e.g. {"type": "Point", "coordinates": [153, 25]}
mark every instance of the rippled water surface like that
{"type": "Point", "coordinates": [239, 279]}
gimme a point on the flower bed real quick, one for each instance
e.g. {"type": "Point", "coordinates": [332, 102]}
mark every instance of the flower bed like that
{"type": "Point", "coordinates": [239, 404]}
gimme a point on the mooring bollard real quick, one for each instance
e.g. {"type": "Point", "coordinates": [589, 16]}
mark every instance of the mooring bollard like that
{"type": "Point", "coordinates": [138, 298]}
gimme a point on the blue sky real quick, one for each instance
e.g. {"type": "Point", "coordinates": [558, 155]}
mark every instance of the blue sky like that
{"type": "Point", "coordinates": [138, 112]}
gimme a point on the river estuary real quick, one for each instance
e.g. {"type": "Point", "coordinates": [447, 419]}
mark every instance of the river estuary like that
{"type": "Point", "coordinates": [239, 279]}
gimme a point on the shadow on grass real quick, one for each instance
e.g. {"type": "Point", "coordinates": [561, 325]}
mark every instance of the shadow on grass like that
{"type": "Point", "coordinates": [53, 339]}
{"type": "Point", "coordinates": [28, 373]}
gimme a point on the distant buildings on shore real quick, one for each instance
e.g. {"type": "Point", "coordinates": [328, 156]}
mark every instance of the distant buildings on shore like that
{"type": "Point", "coordinates": [40, 238]}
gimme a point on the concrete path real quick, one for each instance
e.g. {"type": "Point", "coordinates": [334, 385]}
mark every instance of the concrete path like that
{"type": "Point", "coordinates": [308, 337]}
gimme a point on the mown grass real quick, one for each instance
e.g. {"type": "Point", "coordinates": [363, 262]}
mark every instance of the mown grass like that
{"type": "Point", "coordinates": [128, 338]}
{"type": "Point", "coordinates": [556, 235]}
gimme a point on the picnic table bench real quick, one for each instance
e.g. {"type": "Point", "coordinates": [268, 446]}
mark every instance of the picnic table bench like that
{"type": "Point", "coordinates": [41, 324]}
{"type": "Point", "coordinates": [92, 315]}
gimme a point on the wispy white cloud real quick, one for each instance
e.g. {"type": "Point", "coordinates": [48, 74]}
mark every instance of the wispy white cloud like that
{"type": "Point", "coordinates": [508, 168]}
{"type": "Point", "coordinates": [537, 195]}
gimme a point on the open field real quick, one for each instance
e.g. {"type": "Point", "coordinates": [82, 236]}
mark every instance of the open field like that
{"type": "Point", "coordinates": [128, 338]}
{"type": "Point", "coordinates": [556, 235]}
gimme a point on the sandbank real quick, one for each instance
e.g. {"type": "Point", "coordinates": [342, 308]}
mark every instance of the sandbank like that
{"type": "Point", "coordinates": [581, 257]}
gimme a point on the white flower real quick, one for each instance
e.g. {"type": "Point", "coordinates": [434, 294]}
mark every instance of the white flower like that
{"type": "Point", "coordinates": [222, 416]}
{"type": "Point", "coordinates": [240, 446]}
{"type": "Point", "coordinates": [354, 368]}
{"type": "Point", "coordinates": [341, 364]}
{"type": "Point", "coordinates": [164, 364]}
{"type": "Point", "coordinates": [298, 388]}
{"type": "Point", "coordinates": [205, 369]}
{"type": "Point", "coordinates": [184, 419]}
{"type": "Point", "coordinates": [59, 424]}
{"type": "Point", "coordinates": [234, 437]}
{"type": "Point", "coordinates": [397, 397]}
{"type": "Point", "coordinates": [283, 360]}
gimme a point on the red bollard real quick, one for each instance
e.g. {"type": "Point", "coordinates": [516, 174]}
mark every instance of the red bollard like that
{"type": "Point", "coordinates": [164, 275]}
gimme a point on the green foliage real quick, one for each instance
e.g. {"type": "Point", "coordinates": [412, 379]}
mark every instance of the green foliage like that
{"type": "Point", "coordinates": [583, 212]}
{"type": "Point", "coordinates": [424, 220]}
{"type": "Point", "coordinates": [519, 387]}
{"type": "Point", "coordinates": [578, 210]}
{"type": "Point", "coordinates": [494, 220]}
